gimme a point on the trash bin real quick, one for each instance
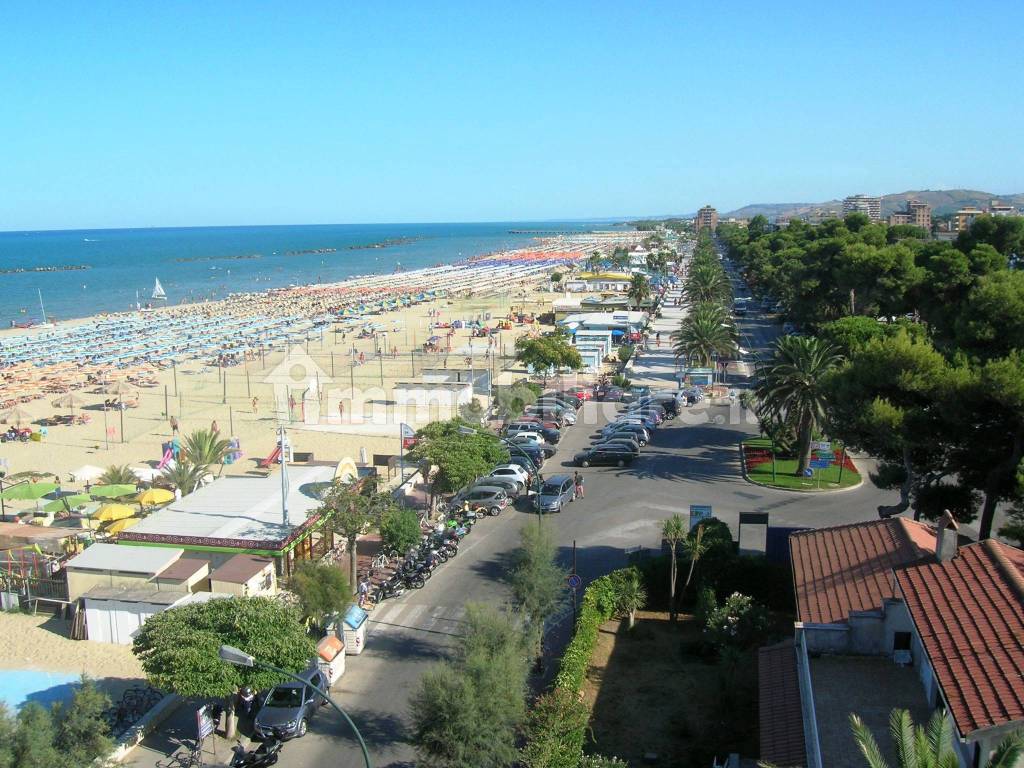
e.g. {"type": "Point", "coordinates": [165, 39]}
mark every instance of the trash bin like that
{"type": "Point", "coordinates": [330, 658]}
{"type": "Point", "coordinates": [354, 626]}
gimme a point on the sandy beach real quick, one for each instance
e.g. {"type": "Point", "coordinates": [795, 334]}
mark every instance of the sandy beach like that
{"type": "Point", "coordinates": [244, 400]}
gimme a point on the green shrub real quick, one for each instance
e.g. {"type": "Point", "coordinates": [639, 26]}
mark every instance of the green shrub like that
{"type": "Point", "coordinates": [737, 623]}
{"type": "Point", "coordinates": [625, 352]}
{"type": "Point", "coordinates": [555, 731]}
{"type": "Point", "coordinates": [400, 529]}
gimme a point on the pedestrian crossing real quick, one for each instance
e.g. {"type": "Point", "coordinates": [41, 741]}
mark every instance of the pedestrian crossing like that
{"type": "Point", "coordinates": [394, 617]}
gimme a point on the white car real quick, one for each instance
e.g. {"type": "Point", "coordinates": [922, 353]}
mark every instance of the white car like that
{"type": "Point", "coordinates": [511, 470]}
{"type": "Point", "coordinates": [528, 437]}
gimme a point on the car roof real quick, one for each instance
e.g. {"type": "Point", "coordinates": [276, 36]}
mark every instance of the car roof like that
{"type": "Point", "coordinates": [488, 488]}
{"type": "Point", "coordinates": [557, 478]}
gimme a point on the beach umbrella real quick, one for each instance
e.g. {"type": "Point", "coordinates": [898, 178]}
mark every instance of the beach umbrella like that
{"type": "Point", "coordinates": [17, 414]}
{"type": "Point", "coordinates": [112, 491]}
{"type": "Point", "coordinates": [120, 388]}
{"type": "Point", "coordinates": [111, 512]}
{"type": "Point", "coordinates": [87, 473]}
{"type": "Point", "coordinates": [75, 500]}
{"type": "Point", "coordinates": [154, 496]}
{"type": "Point", "coordinates": [69, 400]}
{"type": "Point", "coordinates": [28, 491]}
{"type": "Point", "coordinates": [119, 525]}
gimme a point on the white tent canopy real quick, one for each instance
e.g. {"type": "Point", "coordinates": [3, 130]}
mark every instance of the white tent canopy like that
{"type": "Point", "coordinates": [86, 473]}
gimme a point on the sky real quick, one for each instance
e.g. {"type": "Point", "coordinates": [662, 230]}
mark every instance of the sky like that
{"type": "Point", "coordinates": [116, 114]}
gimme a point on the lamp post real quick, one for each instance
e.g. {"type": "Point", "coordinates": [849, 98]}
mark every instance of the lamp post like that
{"type": "Point", "coordinates": [240, 658]}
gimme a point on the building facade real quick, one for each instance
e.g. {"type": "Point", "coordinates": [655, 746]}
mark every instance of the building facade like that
{"type": "Point", "coordinates": [871, 206]}
{"type": "Point", "coordinates": [916, 214]}
{"type": "Point", "coordinates": [707, 218]}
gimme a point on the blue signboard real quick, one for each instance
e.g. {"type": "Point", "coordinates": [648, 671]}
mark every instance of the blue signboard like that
{"type": "Point", "coordinates": [820, 463]}
{"type": "Point", "coordinates": [698, 513]}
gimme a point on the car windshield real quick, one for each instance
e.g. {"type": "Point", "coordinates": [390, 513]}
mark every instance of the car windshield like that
{"type": "Point", "coordinates": [285, 698]}
{"type": "Point", "coordinates": [551, 489]}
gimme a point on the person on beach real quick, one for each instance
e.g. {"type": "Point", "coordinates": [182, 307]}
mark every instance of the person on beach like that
{"type": "Point", "coordinates": [255, 405]}
{"type": "Point", "coordinates": [174, 425]}
{"type": "Point", "coordinates": [341, 411]}
{"type": "Point", "coordinates": [214, 428]}
{"type": "Point", "coordinates": [362, 358]}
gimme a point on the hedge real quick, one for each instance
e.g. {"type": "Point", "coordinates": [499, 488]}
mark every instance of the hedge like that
{"type": "Point", "coordinates": [558, 723]}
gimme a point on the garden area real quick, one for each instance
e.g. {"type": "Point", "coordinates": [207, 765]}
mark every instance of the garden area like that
{"type": "Point", "coordinates": [758, 466]}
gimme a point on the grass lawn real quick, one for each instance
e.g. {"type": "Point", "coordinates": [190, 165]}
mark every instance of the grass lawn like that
{"type": "Point", "coordinates": [826, 479]}
{"type": "Point", "coordinates": [653, 690]}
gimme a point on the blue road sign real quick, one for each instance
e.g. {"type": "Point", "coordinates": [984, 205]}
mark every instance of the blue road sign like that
{"type": "Point", "coordinates": [820, 463]}
{"type": "Point", "coordinates": [574, 581]}
{"type": "Point", "coordinates": [698, 513]}
{"type": "Point", "coordinates": [808, 472]}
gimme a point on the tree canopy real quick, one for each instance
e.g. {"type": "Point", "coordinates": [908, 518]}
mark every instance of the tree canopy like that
{"type": "Point", "coordinates": [546, 353]}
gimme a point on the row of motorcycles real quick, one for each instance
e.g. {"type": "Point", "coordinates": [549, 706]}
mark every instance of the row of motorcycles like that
{"type": "Point", "coordinates": [415, 567]}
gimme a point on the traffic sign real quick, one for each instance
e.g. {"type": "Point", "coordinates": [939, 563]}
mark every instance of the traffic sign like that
{"type": "Point", "coordinates": [820, 463]}
{"type": "Point", "coordinates": [822, 445]}
{"type": "Point", "coordinates": [699, 513]}
{"type": "Point", "coordinates": [574, 581]}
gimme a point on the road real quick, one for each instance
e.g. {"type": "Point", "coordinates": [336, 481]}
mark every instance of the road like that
{"type": "Point", "coordinates": [693, 460]}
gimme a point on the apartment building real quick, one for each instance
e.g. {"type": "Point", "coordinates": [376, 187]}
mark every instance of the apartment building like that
{"type": "Point", "coordinates": [916, 214]}
{"type": "Point", "coordinates": [707, 218]}
{"type": "Point", "coordinates": [872, 206]}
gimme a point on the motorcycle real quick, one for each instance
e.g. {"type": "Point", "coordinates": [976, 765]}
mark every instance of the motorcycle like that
{"type": "Point", "coordinates": [266, 754]}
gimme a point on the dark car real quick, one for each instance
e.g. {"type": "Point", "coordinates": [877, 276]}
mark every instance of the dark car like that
{"type": "Point", "coordinates": [546, 448]}
{"type": "Point", "coordinates": [637, 418]}
{"type": "Point", "coordinates": [570, 400]}
{"type": "Point", "coordinates": [610, 394]}
{"type": "Point", "coordinates": [635, 393]}
{"type": "Point", "coordinates": [633, 431]}
{"type": "Point", "coordinates": [619, 441]}
{"type": "Point", "coordinates": [288, 707]}
{"type": "Point", "coordinates": [512, 486]}
{"type": "Point", "coordinates": [526, 462]}
{"type": "Point", "coordinates": [617, 457]}
{"type": "Point", "coordinates": [530, 450]}
{"type": "Point", "coordinates": [654, 412]}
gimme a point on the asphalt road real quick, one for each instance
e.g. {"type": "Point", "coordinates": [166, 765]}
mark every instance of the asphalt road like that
{"type": "Point", "coordinates": [694, 460]}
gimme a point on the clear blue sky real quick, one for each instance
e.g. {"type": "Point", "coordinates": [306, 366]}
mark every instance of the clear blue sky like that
{"type": "Point", "coordinates": [141, 114]}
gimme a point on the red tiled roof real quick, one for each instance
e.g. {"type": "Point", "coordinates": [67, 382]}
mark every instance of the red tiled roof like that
{"type": "Point", "coordinates": [969, 613]}
{"type": "Point", "coordinates": [849, 567]}
{"type": "Point", "coordinates": [782, 722]}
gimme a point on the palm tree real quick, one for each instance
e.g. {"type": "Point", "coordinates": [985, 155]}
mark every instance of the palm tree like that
{"type": "Point", "coordinates": [706, 282]}
{"type": "Point", "coordinates": [792, 388]}
{"type": "Point", "coordinates": [927, 747]}
{"type": "Point", "coordinates": [705, 333]}
{"type": "Point", "coordinates": [639, 289]}
{"type": "Point", "coordinates": [204, 448]}
{"type": "Point", "coordinates": [184, 475]}
{"type": "Point", "coordinates": [115, 475]}
{"type": "Point", "coordinates": [631, 594]}
{"type": "Point", "coordinates": [694, 546]}
{"type": "Point", "coordinates": [674, 532]}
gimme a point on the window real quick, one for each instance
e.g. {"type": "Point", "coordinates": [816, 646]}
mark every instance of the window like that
{"type": "Point", "coordinates": [901, 641]}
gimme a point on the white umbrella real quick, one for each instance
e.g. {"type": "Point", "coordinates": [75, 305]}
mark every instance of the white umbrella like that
{"type": "Point", "coordinates": [146, 474]}
{"type": "Point", "coordinates": [86, 474]}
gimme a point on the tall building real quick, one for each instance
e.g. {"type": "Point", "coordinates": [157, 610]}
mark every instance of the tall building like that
{"type": "Point", "coordinates": [917, 214]}
{"type": "Point", "coordinates": [872, 206]}
{"type": "Point", "coordinates": [963, 218]}
{"type": "Point", "coordinates": [1002, 209]}
{"type": "Point", "coordinates": [707, 218]}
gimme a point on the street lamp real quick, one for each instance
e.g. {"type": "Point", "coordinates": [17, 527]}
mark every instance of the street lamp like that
{"type": "Point", "coordinates": [240, 658]}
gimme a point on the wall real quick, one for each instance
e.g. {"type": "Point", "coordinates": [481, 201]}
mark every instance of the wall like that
{"type": "Point", "coordinates": [252, 587]}
{"type": "Point", "coordinates": [81, 581]}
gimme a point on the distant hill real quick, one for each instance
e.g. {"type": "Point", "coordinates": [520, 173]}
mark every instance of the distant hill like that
{"type": "Point", "coordinates": [942, 201]}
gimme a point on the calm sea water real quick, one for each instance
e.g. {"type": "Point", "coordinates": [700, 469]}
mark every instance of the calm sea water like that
{"type": "Point", "coordinates": [200, 263]}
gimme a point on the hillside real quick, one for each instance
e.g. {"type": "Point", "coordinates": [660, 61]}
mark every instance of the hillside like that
{"type": "Point", "coordinates": [942, 201]}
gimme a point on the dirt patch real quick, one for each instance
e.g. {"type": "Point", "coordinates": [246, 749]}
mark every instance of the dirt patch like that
{"type": "Point", "coordinates": [655, 689]}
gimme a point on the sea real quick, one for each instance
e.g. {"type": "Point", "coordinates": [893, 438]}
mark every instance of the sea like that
{"type": "Point", "coordinates": [79, 273]}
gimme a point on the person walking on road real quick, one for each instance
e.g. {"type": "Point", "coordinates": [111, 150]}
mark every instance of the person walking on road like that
{"type": "Point", "coordinates": [577, 480]}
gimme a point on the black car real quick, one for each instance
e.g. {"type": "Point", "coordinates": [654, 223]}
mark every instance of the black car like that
{"type": "Point", "coordinates": [616, 457]}
{"type": "Point", "coordinates": [626, 443]}
{"type": "Point", "coordinates": [526, 462]}
{"type": "Point", "coordinates": [531, 450]}
{"type": "Point", "coordinates": [570, 400]}
{"type": "Point", "coordinates": [632, 431]}
{"type": "Point", "coordinates": [546, 448]}
{"type": "Point", "coordinates": [635, 393]}
{"type": "Point", "coordinates": [610, 394]}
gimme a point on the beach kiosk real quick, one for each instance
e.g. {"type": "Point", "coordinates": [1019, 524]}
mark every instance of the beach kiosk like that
{"type": "Point", "coordinates": [354, 630]}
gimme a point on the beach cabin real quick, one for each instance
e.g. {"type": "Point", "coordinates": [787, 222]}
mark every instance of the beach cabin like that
{"type": "Point", "coordinates": [697, 377]}
{"type": "Point", "coordinates": [245, 576]}
{"type": "Point", "coordinates": [113, 566]}
{"type": "Point", "coordinates": [592, 357]}
{"type": "Point", "coordinates": [589, 339]}
{"type": "Point", "coordinates": [600, 281]}
{"type": "Point", "coordinates": [115, 614]}
{"type": "Point", "coordinates": [243, 516]}
{"type": "Point", "coordinates": [431, 399]}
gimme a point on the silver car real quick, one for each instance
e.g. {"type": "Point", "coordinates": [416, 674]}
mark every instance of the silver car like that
{"type": "Point", "coordinates": [557, 491]}
{"type": "Point", "coordinates": [289, 706]}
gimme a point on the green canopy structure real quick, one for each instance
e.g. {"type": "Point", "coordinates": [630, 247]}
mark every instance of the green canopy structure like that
{"type": "Point", "coordinates": [28, 491]}
{"type": "Point", "coordinates": [113, 491]}
{"type": "Point", "coordinates": [74, 500]}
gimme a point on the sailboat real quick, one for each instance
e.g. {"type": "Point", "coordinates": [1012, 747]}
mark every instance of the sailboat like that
{"type": "Point", "coordinates": [158, 291]}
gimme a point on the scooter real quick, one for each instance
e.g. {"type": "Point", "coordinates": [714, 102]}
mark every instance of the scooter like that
{"type": "Point", "coordinates": [266, 754]}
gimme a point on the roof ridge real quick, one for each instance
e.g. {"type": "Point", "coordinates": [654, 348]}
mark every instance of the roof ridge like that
{"type": "Point", "coordinates": [1006, 569]}
{"type": "Point", "coordinates": [828, 529]}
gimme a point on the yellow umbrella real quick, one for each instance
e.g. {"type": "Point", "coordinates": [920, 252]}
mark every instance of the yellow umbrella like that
{"type": "Point", "coordinates": [154, 496]}
{"type": "Point", "coordinates": [120, 525]}
{"type": "Point", "coordinates": [111, 512]}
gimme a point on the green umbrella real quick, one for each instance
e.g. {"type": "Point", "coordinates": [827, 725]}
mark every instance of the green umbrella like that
{"type": "Point", "coordinates": [112, 491]}
{"type": "Point", "coordinates": [75, 500]}
{"type": "Point", "coordinates": [28, 491]}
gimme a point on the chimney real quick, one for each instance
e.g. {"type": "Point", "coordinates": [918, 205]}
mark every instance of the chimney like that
{"type": "Point", "coordinates": [946, 537]}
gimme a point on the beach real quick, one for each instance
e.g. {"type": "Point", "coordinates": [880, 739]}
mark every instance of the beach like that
{"type": "Point", "coordinates": [247, 391]}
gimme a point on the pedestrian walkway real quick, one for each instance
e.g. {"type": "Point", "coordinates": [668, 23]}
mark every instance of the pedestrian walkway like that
{"type": "Point", "coordinates": [657, 365]}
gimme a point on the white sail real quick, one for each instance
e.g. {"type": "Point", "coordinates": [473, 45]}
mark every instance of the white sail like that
{"type": "Point", "coordinates": [158, 290]}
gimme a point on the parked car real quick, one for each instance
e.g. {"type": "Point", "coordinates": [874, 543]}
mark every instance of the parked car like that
{"type": "Point", "coordinates": [610, 394]}
{"type": "Point", "coordinates": [616, 456]}
{"type": "Point", "coordinates": [553, 413]}
{"type": "Point", "coordinates": [556, 491]}
{"type": "Point", "coordinates": [490, 497]}
{"type": "Point", "coordinates": [525, 463]}
{"type": "Point", "coordinates": [546, 448]}
{"type": "Point", "coordinates": [530, 450]}
{"type": "Point", "coordinates": [525, 436]}
{"type": "Point", "coordinates": [511, 486]}
{"type": "Point", "coordinates": [540, 421]}
{"type": "Point", "coordinates": [635, 431]}
{"type": "Point", "coordinates": [571, 400]}
{"type": "Point", "coordinates": [581, 393]}
{"type": "Point", "coordinates": [550, 435]}
{"type": "Point", "coordinates": [638, 418]}
{"type": "Point", "coordinates": [635, 393]}
{"type": "Point", "coordinates": [619, 441]}
{"type": "Point", "coordinates": [289, 706]}
{"type": "Point", "coordinates": [513, 471]}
